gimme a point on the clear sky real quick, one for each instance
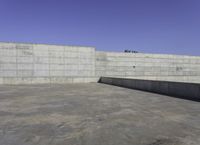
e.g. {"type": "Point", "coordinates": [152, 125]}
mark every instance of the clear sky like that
{"type": "Point", "coordinates": [149, 26]}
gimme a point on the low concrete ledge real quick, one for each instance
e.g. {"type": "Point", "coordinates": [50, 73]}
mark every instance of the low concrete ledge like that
{"type": "Point", "coordinates": [190, 91]}
{"type": "Point", "coordinates": [46, 80]}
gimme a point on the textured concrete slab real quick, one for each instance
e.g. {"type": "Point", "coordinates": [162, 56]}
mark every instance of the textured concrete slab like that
{"type": "Point", "coordinates": [190, 91]}
{"type": "Point", "coordinates": [95, 114]}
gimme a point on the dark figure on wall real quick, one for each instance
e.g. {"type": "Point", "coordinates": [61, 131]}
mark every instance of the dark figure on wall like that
{"type": "Point", "coordinates": [130, 51]}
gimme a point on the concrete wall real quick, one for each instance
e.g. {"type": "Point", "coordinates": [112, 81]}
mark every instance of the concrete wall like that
{"type": "Point", "coordinates": [37, 63]}
{"type": "Point", "coordinates": [148, 66]}
{"type": "Point", "coordinates": [189, 91]}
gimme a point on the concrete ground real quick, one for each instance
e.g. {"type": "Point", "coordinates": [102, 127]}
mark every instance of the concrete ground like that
{"type": "Point", "coordinates": [95, 114]}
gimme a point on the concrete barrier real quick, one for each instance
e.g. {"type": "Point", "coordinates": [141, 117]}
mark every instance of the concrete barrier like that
{"type": "Point", "coordinates": [23, 63]}
{"type": "Point", "coordinates": [189, 91]}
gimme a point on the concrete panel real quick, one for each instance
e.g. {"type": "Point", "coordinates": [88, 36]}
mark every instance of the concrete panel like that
{"type": "Point", "coordinates": [8, 51]}
{"type": "Point", "coordinates": [24, 50]}
{"type": "Point", "coordinates": [41, 73]}
{"type": "Point", "coordinates": [25, 59]}
{"type": "Point", "coordinates": [8, 66]}
{"type": "Point", "coordinates": [25, 73]}
{"type": "Point", "coordinates": [150, 66]}
{"type": "Point", "coordinates": [56, 67]}
{"type": "Point", "coordinates": [37, 66]}
{"type": "Point", "coordinates": [25, 66]}
{"type": "Point", "coordinates": [8, 59]}
{"type": "Point", "coordinates": [40, 60]}
{"type": "Point", "coordinates": [56, 60]}
{"type": "Point", "coordinates": [8, 73]}
{"type": "Point", "coordinates": [41, 50]}
{"type": "Point", "coordinates": [56, 73]}
{"type": "Point", "coordinates": [41, 80]}
{"type": "Point", "coordinates": [189, 91]}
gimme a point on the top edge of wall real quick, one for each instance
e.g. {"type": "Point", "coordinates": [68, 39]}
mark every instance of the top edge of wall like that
{"type": "Point", "coordinates": [146, 54]}
{"type": "Point", "coordinates": [103, 52]}
{"type": "Point", "coordinates": [46, 44]}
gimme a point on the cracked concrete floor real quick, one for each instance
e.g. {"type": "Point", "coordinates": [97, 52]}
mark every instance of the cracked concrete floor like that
{"type": "Point", "coordinates": [95, 114]}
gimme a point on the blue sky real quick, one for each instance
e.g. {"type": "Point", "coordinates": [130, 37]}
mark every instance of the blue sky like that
{"type": "Point", "coordinates": [148, 26]}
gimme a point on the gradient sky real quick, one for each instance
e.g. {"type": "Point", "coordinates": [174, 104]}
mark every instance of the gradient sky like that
{"type": "Point", "coordinates": [148, 26]}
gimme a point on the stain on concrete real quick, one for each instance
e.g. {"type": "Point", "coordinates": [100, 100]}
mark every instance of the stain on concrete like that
{"type": "Point", "coordinates": [95, 114]}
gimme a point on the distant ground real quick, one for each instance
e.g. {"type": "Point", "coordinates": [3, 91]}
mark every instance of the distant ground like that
{"type": "Point", "coordinates": [95, 114]}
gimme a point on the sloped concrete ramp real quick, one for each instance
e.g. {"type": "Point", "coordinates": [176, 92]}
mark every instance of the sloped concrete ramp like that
{"type": "Point", "coordinates": [95, 114]}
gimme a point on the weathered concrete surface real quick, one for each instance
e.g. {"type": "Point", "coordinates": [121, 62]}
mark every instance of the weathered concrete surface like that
{"type": "Point", "coordinates": [176, 68]}
{"type": "Point", "coordinates": [22, 63]}
{"type": "Point", "coordinates": [95, 114]}
{"type": "Point", "coordinates": [183, 90]}
{"type": "Point", "coordinates": [40, 63]}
